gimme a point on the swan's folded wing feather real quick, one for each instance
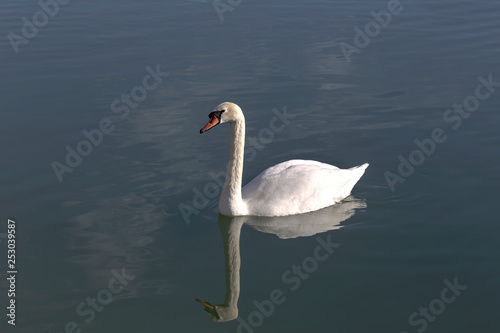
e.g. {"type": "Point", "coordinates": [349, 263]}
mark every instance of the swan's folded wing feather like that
{"type": "Point", "coordinates": [298, 186]}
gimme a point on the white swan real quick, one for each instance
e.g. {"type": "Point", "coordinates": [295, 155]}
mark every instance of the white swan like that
{"type": "Point", "coordinates": [292, 187]}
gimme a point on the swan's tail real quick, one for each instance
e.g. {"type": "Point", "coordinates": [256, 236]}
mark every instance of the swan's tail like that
{"type": "Point", "coordinates": [361, 167]}
{"type": "Point", "coordinates": [355, 174]}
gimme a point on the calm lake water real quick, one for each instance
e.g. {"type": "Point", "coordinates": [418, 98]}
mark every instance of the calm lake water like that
{"type": "Point", "coordinates": [114, 191]}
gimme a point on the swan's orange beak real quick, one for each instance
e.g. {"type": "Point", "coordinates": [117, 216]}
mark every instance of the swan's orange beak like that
{"type": "Point", "coordinates": [208, 306]}
{"type": "Point", "coordinates": [213, 122]}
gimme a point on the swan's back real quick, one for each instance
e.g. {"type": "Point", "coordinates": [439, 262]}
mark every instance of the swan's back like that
{"type": "Point", "coordinates": [298, 186]}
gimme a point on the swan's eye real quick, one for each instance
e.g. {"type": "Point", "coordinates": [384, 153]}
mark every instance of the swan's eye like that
{"type": "Point", "coordinates": [217, 113]}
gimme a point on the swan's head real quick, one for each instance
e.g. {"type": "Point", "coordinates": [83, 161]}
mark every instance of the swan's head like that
{"type": "Point", "coordinates": [226, 112]}
{"type": "Point", "coordinates": [219, 313]}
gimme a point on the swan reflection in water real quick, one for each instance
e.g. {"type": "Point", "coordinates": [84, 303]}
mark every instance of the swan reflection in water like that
{"type": "Point", "coordinates": [284, 227]}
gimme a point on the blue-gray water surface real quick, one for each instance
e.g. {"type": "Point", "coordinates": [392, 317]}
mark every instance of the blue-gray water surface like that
{"type": "Point", "coordinates": [113, 192]}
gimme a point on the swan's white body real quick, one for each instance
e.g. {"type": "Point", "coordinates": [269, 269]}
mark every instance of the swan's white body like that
{"type": "Point", "coordinates": [298, 186]}
{"type": "Point", "coordinates": [292, 187]}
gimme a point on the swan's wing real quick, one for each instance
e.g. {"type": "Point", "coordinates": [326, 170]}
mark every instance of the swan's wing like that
{"type": "Point", "coordinates": [298, 186]}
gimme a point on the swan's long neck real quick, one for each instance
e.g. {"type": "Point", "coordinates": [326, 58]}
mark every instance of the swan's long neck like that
{"type": "Point", "coordinates": [231, 202]}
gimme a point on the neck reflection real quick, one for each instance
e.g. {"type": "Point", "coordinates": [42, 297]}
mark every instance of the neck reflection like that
{"type": "Point", "coordinates": [302, 225]}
